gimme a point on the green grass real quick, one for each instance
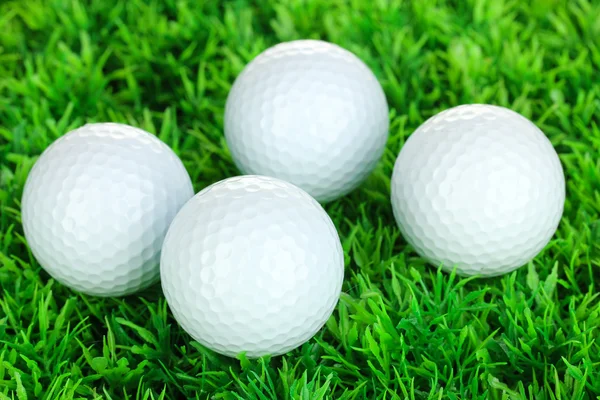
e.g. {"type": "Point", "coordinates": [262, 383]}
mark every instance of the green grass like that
{"type": "Point", "coordinates": [402, 329]}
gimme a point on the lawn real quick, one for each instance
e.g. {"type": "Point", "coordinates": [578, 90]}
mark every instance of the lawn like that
{"type": "Point", "coordinates": [402, 329]}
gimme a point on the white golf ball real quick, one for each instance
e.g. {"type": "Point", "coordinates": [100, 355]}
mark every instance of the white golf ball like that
{"type": "Point", "coordinates": [97, 205]}
{"type": "Point", "coordinates": [308, 112]}
{"type": "Point", "coordinates": [252, 264]}
{"type": "Point", "coordinates": [479, 188]}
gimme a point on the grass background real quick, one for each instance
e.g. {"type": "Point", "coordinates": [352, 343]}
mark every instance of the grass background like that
{"type": "Point", "coordinates": [402, 329]}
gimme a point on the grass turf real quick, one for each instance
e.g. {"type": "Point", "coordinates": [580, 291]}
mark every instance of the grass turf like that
{"type": "Point", "coordinates": [402, 329]}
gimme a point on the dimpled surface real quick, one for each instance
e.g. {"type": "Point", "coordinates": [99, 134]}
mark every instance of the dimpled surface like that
{"type": "Point", "coordinates": [310, 113]}
{"type": "Point", "coordinates": [478, 187]}
{"type": "Point", "coordinates": [252, 264]}
{"type": "Point", "coordinates": [97, 205]}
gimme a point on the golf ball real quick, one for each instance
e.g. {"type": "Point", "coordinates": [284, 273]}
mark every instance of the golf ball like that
{"type": "Point", "coordinates": [479, 188]}
{"type": "Point", "coordinates": [310, 113]}
{"type": "Point", "coordinates": [252, 264]}
{"type": "Point", "coordinates": [97, 205]}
